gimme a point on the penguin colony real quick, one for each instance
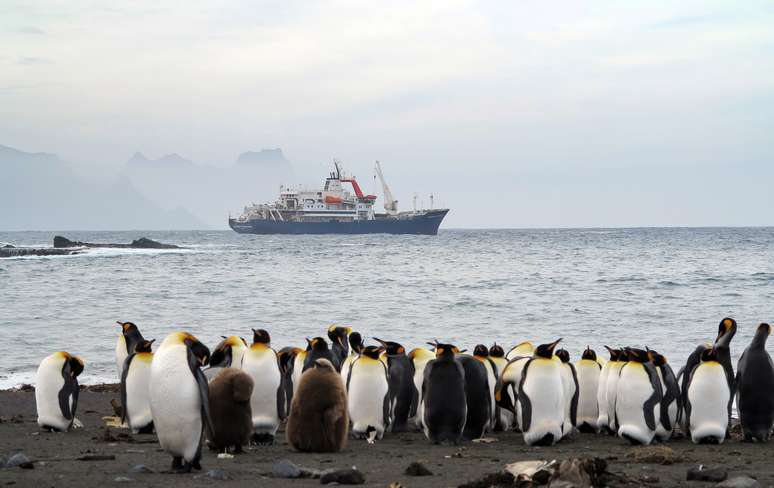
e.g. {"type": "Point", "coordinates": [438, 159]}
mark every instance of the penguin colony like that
{"type": "Point", "coordinates": [329, 393]}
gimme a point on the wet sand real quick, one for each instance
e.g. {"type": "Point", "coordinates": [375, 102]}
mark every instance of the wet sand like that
{"type": "Point", "coordinates": [382, 463]}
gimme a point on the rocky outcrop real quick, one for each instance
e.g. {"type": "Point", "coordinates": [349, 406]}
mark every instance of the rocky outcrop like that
{"type": "Point", "coordinates": [141, 243]}
{"type": "Point", "coordinates": [16, 252]}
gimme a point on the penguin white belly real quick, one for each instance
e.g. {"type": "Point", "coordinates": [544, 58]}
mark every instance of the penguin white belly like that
{"type": "Point", "coordinates": [368, 388]}
{"type": "Point", "coordinates": [262, 367]}
{"type": "Point", "coordinates": [708, 394]}
{"type": "Point", "coordinates": [568, 389]}
{"type": "Point", "coordinates": [543, 387]}
{"type": "Point", "coordinates": [419, 378]}
{"type": "Point", "coordinates": [492, 380]}
{"type": "Point", "coordinates": [345, 365]}
{"type": "Point", "coordinates": [588, 388]}
{"type": "Point", "coordinates": [603, 417]}
{"type": "Point", "coordinates": [512, 375]}
{"type": "Point", "coordinates": [48, 383]}
{"type": "Point", "coordinates": [138, 410]}
{"type": "Point", "coordinates": [612, 389]}
{"type": "Point", "coordinates": [175, 402]}
{"type": "Point", "coordinates": [633, 390]}
{"type": "Point", "coordinates": [121, 355]}
{"type": "Point", "coordinates": [298, 370]}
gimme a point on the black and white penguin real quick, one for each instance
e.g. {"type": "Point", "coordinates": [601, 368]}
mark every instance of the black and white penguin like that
{"type": "Point", "coordinates": [541, 398]}
{"type": "Point", "coordinates": [400, 371]}
{"type": "Point", "coordinates": [706, 408]}
{"type": "Point", "coordinates": [604, 414]}
{"type": "Point", "coordinates": [613, 377]}
{"type": "Point", "coordinates": [479, 397]}
{"type": "Point", "coordinates": [571, 393]}
{"type": "Point", "coordinates": [339, 344]}
{"type": "Point", "coordinates": [443, 396]}
{"type": "Point", "coordinates": [127, 340]}
{"type": "Point", "coordinates": [671, 402]}
{"type": "Point", "coordinates": [135, 389]}
{"type": "Point", "coordinates": [522, 349]}
{"type": "Point", "coordinates": [56, 391]}
{"type": "Point", "coordinates": [368, 394]}
{"type": "Point", "coordinates": [684, 378]}
{"type": "Point", "coordinates": [755, 388]}
{"type": "Point", "coordinates": [588, 371]}
{"type": "Point", "coordinates": [267, 401]}
{"type": "Point", "coordinates": [507, 388]}
{"type": "Point", "coordinates": [179, 398]}
{"type": "Point", "coordinates": [356, 345]}
{"type": "Point", "coordinates": [503, 417]}
{"type": "Point", "coordinates": [481, 352]}
{"type": "Point", "coordinates": [419, 356]}
{"type": "Point", "coordinates": [317, 348]}
{"type": "Point", "coordinates": [229, 353]}
{"type": "Point", "coordinates": [722, 346]}
{"type": "Point", "coordinates": [638, 398]}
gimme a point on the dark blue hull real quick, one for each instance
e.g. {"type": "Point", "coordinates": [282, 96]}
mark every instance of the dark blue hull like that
{"type": "Point", "coordinates": [426, 223]}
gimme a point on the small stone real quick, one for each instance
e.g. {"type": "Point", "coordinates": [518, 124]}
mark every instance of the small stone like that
{"type": "Point", "coordinates": [739, 482]}
{"type": "Point", "coordinates": [343, 477]}
{"type": "Point", "coordinates": [20, 460]}
{"type": "Point", "coordinates": [141, 468]}
{"type": "Point", "coordinates": [285, 469]}
{"type": "Point", "coordinates": [123, 479]}
{"type": "Point", "coordinates": [701, 473]}
{"type": "Point", "coordinates": [654, 455]}
{"type": "Point", "coordinates": [418, 469]}
{"type": "Point", "coordinates": [217, 474]}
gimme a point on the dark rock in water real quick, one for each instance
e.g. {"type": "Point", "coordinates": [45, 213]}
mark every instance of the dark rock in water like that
{"type": "Point", "coordinates": [217, 474]}
{"type": "Point", "coordinates": [343, 477]}
{"type": "Point", "coordinates": [739, 482]}
{"type": "Point", "coordinates": [702, 473]}
{"type": "Point", "coordinates": [141, 468]}
{"type": "Point", "coordinates": [141, 243]}
{"type": "Point", "coordinates": [285, 469]}
{"type": "Point", "coordinates": [21, 460]}
{"type": "Point", "coordinates": [7, 246]}
{"type": "Point", "coordinates": [15, 252]}
{"type": "Point", "coordinates": [418, 469]}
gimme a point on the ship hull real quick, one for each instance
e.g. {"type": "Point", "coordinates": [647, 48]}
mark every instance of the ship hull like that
{"type": "Point", "coordinates": [425, 224]}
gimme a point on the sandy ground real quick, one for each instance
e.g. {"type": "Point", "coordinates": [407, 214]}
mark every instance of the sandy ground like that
{"type": "Point", "coordinates": [55, 456]}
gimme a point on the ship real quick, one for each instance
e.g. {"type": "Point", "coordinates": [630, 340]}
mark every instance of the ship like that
{"type": "Point", "coordinates": [336, 210]}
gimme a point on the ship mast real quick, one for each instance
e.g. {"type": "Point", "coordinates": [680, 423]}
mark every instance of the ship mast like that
{"type": "Point", "coordinates": [390, 204]}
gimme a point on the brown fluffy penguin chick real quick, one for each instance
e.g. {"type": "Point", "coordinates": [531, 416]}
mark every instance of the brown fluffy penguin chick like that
{"type": "Point", "coordinates": [232, 417]}
{"type": "Point", "coordinates": [318, 420]}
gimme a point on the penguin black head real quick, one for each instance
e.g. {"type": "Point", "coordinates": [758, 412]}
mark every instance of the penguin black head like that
{"type": "Point", "coordinates": [356, 342]}
{"type": "Point", "coordinates": [338, 334]}
{"type": "Point", "coordinates": [372, 352]}
{"type": "Point", "coordinates": [286, 355]}
{"type": "Point", "coordinates": [131, 334]}
{"type": "Point", "coordinates": [261, 336]}
{"type": "Point", "coordinates": [445, 351]}
{"type": "Point", "coordinates": [726, 331]}
{"type": "Point", "coordinates": [392, 348]}
{"type": "Point", "coordinates": [546, 351]}
{"type": "Point", "coordinates": [199, 350]}
{"type": "Point", "coordinates": [497, 351]}
{"type": "Point", "coordinates": [317, 344]}
{"type": "Point", "coordinates": [73, 365]}
{"type": "Point", "coordinates": [144, 346]}
{"type": "Point", "coordinates": [127, 327]}
{"type": "Point", "coordinates": [223, 352]}
{"type": "Point", "coordinates": [481, 351]}
{"type": "Point", "coordinates": [589, 354]}
{"type": "Point", "coordinates": [637, 355]}
{"type": "Point", "coordinates": [563, 355]}
{"type": "Point", "coordinates": [709, 354]}
{"type": "Point", "coordinates": [615, 354]}
{"type": "Point", "coordinates": [761, 336]}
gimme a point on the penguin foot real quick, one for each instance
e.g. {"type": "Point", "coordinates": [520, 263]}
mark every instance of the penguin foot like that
{"type": "Point", "coordinates": [263, 439]}
{"type": "Point", "coordinates": [195, 464]}
{"type": "Point", "coordinates": [184, 469]}
{"type": "Point", "coordinates": [177, 462]}
{"type": "Point", "coordinates": [585, 428]}
{"type": "Point", "coordinates": [546, 440]}
{"type": "Point", "coordinates": [148, 429]}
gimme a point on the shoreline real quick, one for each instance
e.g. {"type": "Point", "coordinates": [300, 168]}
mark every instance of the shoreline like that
{"type": "Point", "coordinates": [55, 456]}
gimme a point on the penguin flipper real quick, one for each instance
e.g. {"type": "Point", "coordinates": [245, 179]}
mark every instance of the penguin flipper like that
{"type": "Point", "coordinates": [281, 401]}
{"type": "Point", "coordinates": [575, 396]}
{"type": "Point", "coordinates": [124, 375]}
{"type": "Point", "coordinates": [68, 395]}
{"type": "Point", "coordinates": [524, 401]}
{"type": "Point", "coordinates": [204, 392]}
{"type": "Point", "coordinates": [655, 399]}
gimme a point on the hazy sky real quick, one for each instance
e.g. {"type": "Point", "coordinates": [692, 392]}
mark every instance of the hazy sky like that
{"type": "Point", "coordinates": [449, 94]}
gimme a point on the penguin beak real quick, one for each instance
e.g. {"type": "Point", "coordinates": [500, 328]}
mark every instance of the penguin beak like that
{"type": "Point", "coordinates": [552, 346]}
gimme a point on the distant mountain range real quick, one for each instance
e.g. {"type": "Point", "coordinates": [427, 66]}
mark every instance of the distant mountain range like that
{"type": "Point", "coordinates": [40, 191]}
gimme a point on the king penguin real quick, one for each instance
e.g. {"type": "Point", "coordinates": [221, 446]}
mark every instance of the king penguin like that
{"type": "Point", "coordinates": [638, 398]}
{"type": "Point", "coordinates": [356, 346]}
{"type": "Point", "coordinates": [232, 424]}
{"type": "Point", "coordinates": [755, 388]}
{"type": "Point", "coordinates": [443, 396]}
{"type": "Point", "coordinates": [419, 356]}
{"type": "Point", "coordinates": [726, 332]}
{"type": "Point", "coordinates": [478, 419]}
{"type": "Point", "coordinates": [267, 401]}
{"type": "Point", "coordinates": [604, 416]}
{"type": "Point", "coordinates": [127, 340]}
{"type": "Point", "coordinates": [56, 391]}
{"type": "Point", "coordinates": [507, 388]}
{"type": "Point", "coordinates": [400, 371]}
{"type": "Point", "coordinates": [317, 348]}
{"type": "Point", "coordinates": [541, 398]}
{"type": "Point", "coordinates": [339, 344]}
{"type": "Point", "coordinates": [570, 386]}
{"type": "Point", "coordinates": [706, 408]}
{"type": "Point", "coordinates": [671, 402]}
{"type": "Point", "coordinates": [179, 398]}
{"type": "Point", "coordinates": [503, 417]}
{"type": "Point", "coordinates": [613, 378]}
{"type": "Point", "coordinates": [135, 389]}
{"type": "Point", "coordinates": [368, 394]}
{"type": "Point", "coordinates": [481, 352]}
{"type": "Point", "coordinates": [588, 372]}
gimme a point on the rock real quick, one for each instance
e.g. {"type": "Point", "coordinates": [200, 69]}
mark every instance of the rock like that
{"type": "Point", "coordinates": [285, 469]}
{"type": "Point", "coordinates": [492, 480]}
{"type": "Point", "coordinates": [123, 479]}
{"type": "Point", "coordinates": [141, 468]}
{"type": "Point", "coordinates": [702, 473]}
{"type": "Point", "coordinates": [217, 474]}
{"type": "Point", "coordinates": [417, 469]}
{"type": "Point", "coordinates": [19, 459]}
{"type": "Point", "coordinates": [654, 455]}
{"type": "Point", "coordinates": [141, 243]}
{"type": "Point", "coordinates": [739, 482]}
{"type": "Point", "coordinates": [343, 477]}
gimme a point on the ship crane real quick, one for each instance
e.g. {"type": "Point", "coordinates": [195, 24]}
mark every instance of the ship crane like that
{"type": "Point", "coordinates": [390, 204]}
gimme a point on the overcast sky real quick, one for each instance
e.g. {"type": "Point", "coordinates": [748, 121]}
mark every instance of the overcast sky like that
{"type": "Point", "coordinates": [524, 94]}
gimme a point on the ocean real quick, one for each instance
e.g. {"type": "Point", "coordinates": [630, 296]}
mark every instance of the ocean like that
{"type": "Point", "coordinates": [665, 288]}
